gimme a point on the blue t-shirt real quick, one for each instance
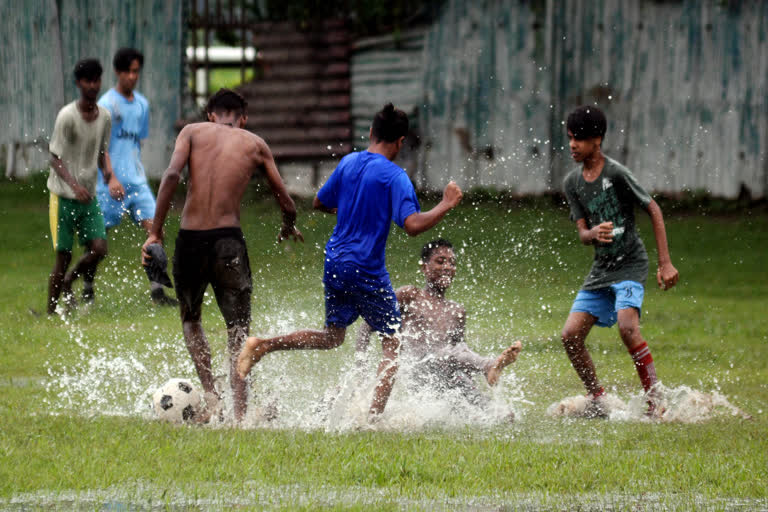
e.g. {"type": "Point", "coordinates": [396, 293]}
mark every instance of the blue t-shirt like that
{"type": "Point", "coordinates": [369, 192]}
{"type": "Point", "coordinates": [130, 124]}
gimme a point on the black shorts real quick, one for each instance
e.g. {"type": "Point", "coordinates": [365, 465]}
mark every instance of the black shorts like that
{"type": "Point", "coordinates": [219, 257]}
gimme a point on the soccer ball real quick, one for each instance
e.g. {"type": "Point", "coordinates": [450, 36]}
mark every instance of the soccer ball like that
{"type": "Point", "coordinates": [177, 401]}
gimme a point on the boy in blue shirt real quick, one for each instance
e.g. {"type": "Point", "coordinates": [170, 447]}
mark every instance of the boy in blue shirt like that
{"type": "Point", "coordinates": [367, 191]}
{"type": "Point", "coordinates": [130, 125]}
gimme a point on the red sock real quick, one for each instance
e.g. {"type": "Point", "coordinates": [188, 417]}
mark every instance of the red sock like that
{"type": "Point", "coordinates": [597, 394]}
{"type": "Point", "coordinates": [641, 355]}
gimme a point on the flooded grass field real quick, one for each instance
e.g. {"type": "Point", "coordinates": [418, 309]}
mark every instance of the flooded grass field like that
{"type": "Point", "coordinates": [77, 431]}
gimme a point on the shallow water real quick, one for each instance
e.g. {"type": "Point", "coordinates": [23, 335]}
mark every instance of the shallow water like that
{"type": "Point", "coordinates": [315, 390]}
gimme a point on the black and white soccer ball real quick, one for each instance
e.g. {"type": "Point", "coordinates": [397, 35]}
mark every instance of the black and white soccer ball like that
{"type": "Point", "coordinates": [177, 401]}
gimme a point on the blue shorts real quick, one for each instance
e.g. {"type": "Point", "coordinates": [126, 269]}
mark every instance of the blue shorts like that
{"type": "Point", "coordinates": [604, 303]}
{"type": "Point", "coordinates": [138, 202]}
{"type": "Point", "coordinates": [350, 293]}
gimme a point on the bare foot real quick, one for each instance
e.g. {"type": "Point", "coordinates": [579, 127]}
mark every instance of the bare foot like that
{"type": "Point", "coordinates": [209, 408]}
{"type": "Point", "coordinates": [253, 350]}
{"type": "Point", "coordinates": [506, 358]}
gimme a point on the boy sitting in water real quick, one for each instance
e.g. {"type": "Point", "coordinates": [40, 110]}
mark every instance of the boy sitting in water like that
{"type": "Point", "coordinates": [432, 331]}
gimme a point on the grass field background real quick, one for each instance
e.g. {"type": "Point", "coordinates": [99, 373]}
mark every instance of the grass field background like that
{"type": "Point", "coordinates": [76, 432]}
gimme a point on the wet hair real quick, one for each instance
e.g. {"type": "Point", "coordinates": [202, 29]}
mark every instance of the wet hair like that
{"type": "Point", "coordinates": [89, 69]}
{"type": "Point", "coordinates": [389, 124]}
{"type": "Point", "coordinates": [587, 122]}
{"type": "Point", "coordinates": [226, 100]}
{"type": "Point", "coordinates": [125, 56]}
{"type": "Point", "coordinates": [430, 247]}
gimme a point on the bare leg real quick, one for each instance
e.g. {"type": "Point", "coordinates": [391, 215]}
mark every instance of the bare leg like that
{"type": "Point", "coordinates": [390, 348]}
{"type": "Point", "coordinates": [506, 358]}
{"type": "Point", "coordinates": [574, 335]}
{"type": "Point", "coordinates": [629, 328]}
{"type": "Point", "coordinates": [63, 258]}
{"type": "Point", "coordinates": [89, 275]}
{"type": "Point", "coordinates": [86, 265]}
{"type": "Point", "coordinates": [255, 348]}
{"type": "Point", "coordinates": [235, 339]}
{"type": "Point", "coordinates": [198, 348]}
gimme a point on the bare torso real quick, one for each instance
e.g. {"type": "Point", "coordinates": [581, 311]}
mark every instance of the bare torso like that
{"type": "Point", "coordinates": [222, 160]}
{"type": "Point", "coordinates": [430, 322]}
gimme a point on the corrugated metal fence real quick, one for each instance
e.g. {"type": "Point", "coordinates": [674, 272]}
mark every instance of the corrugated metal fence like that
{"type": "Point", "coordinates": [387, 69]}
{"type": "Point", "coordinates": [684, 84]}
{"type": "Point", "coordinates": [43, 41]}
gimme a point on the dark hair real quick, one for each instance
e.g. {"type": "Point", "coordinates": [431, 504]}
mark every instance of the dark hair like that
{"type": "Point", "coordinates": [125, 56]}
{"type": "Point", "coordinates": [587, 122]}
{"type": "Point", "coordinates": [90, 69]}
{"type": "Point", "coordinates": [389, 124]}
{"type": "Point", "coordinates": [226, 100]}
{"type": "Point", "coordinates": [430, 247]}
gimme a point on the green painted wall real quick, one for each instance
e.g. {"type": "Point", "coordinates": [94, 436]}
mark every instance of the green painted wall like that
{"type": "Point", "coordinates": [45, 38]}
{"type": "Point", "coordinates": [684, 84]}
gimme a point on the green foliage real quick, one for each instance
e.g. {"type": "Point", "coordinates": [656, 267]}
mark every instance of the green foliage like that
{"type": "Point", "coordinates": [519, 266]}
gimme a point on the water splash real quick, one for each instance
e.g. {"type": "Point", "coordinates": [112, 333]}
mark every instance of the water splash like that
{"type": "Point", "coordinates": [681, 404]}
{"type": "Point", "coordinates": [305, 390]}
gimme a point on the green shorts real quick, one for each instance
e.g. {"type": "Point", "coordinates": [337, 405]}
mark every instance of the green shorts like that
{"type": "Point", "coordinates": [69, 216]}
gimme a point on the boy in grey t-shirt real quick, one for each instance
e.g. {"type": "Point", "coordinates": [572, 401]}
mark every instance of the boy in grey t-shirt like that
{"type": "Point", "coordinates": [78, 147]}
{"type": "Point", "coordinates": [602, 195]}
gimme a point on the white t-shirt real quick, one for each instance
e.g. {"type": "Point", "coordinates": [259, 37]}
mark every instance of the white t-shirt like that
{"type": "Point", "coordinates": [78, 143]}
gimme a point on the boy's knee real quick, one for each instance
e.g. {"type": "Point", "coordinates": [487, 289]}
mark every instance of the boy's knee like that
{"type": "Point", "coordinates": [334, 337]}
{"type": "Point", "coordinates": [568, 336]}
{"type": "Point", "coordinates": [629, 332]}
{"type": "Point", "coordinates": [99, 248]}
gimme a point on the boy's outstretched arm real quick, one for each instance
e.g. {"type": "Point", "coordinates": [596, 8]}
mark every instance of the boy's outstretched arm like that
{"type": "Point", "coordinates": [288, 231]}
{"type": "Point", "coordinates": [666, 275]}
{"type": "Point", "coordinates": [417, 223]}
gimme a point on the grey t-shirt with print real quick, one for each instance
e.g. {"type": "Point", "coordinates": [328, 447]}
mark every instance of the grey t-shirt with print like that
{"type": "Point", "coordinates": [612, 197]}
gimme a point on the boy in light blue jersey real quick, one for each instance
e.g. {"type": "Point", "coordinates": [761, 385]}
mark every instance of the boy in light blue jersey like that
{"type": "Point", "coordinates": [367, 192]}
{"type": "Point", "coordinates": [130, 125]}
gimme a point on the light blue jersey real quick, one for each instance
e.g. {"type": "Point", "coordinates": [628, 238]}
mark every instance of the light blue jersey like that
{"type": "Point", "coordinates": [130, 125]}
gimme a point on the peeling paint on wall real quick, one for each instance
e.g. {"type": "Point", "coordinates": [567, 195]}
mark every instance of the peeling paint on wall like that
{"type": "Point", "coordinates": [45, 38]}
{"type": "Point", "coordinates": [684, 85]}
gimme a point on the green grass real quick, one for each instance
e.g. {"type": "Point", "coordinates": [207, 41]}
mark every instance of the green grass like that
{"type": "Point", "coordinates": [518, 270]}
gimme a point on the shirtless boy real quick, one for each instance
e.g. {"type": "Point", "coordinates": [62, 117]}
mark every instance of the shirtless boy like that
{"type": "Point", "coordinates": [602, 195]}
{"type": "Point", "coordinates": [367, 192]}
{"type": "Point", "coordinates": [210, 247]}
{"type": "Point", "coordinates": [432, 332]}
{"type": "Point", "coordinates": [78, 148]}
